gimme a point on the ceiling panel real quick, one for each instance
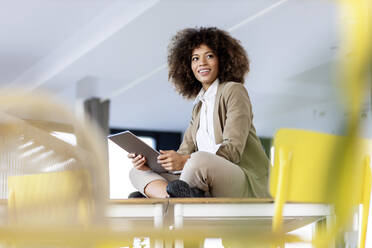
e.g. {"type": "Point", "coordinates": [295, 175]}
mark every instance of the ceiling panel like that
{"type": "Point", "coordinates": [32, 29]}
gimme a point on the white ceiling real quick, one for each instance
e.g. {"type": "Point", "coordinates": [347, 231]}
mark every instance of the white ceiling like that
{"type": "Point", "coordinates": [118, 49]}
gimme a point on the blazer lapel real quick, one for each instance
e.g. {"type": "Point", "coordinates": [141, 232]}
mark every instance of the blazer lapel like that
{"type": "Point", "coordinates": [216, 117]}
{"type": "Point", "coordinates": [195, 125]}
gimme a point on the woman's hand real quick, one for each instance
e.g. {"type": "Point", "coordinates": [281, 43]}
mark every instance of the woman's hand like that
{"type": "Point", "coordinates": [172, 160]}
{"type": "Point", "coordinates": [138, 161]}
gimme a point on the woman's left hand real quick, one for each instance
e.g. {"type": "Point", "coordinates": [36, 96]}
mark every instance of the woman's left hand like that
{"type": "Point", "coordinates": [172, 160]}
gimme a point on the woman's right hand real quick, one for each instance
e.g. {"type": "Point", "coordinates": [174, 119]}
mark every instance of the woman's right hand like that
{"type": "Point", "coordinates": [138, 161]}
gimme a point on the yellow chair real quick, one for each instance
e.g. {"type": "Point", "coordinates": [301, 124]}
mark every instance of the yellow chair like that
{"type": "Point", "coordinates": [54, 173]}
{"type": "Point", "coordinates": [302, 171]}
{"type": "Point", "coordinates": [58, 198]}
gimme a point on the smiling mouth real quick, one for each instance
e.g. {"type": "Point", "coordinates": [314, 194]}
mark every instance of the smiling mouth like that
{"type": "Point", "coordinates": [204, 71]}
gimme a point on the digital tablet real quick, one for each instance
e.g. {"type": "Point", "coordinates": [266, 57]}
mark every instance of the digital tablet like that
{"type": "Point", "coordinates": [132, 144]}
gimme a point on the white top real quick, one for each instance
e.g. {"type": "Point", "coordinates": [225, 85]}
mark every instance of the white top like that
{"type": "Point", "coordinates": [205, 139]}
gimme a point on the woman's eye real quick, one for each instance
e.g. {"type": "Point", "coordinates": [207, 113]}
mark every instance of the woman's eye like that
{"type": "Point", "coordinates": [194, 59]}
{"type": "Point", "coordinates": [210, 56]}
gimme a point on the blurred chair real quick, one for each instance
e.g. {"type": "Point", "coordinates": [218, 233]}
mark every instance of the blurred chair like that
{"type": "Point", "coordinates": [58, 198]}
{"type": "Point", "coordinates": [302, 170]}
{"type": "Point", "coordinates": [47, 181]}
{"type": "Point", "coordinates": [53, 166]}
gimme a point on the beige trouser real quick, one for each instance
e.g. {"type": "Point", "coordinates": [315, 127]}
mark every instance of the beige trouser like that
{"type": "Point", "coordinates": [206, 171]}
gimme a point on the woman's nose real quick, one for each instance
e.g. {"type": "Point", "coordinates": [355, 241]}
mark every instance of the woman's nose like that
{"type": "Point", "coordinates": [202, 61]}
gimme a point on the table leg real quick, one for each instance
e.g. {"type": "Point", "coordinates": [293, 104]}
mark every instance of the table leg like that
{"type": "Point", "coordinates": [158, 223]}
{"type": "Point", "coordinates": [178, 223]}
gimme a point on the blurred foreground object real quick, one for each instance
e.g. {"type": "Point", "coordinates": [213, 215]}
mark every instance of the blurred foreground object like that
{"type": "Point", "coordinates": [53, 167]}
{"type": "Point", "coordinates": [354, 77]}
{"type": "Point", "coordinates": [344, 174]}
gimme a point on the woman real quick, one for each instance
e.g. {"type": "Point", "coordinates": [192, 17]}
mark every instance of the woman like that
{"type": "Point", "coordinates": [220, 155]}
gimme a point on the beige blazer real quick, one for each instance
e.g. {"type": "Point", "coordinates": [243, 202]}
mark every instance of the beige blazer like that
{"type": "Point", "coordinates": [234, 130]}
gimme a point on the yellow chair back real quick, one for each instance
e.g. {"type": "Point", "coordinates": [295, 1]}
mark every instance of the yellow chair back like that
{"type": "Point", "coordinates": [58, 198]}
{"type": "Point", "coordinates": [308, 156]}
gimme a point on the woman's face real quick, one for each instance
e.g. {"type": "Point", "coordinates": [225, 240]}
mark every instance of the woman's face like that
{"type": "Point", "coordinates": [204, 65]}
